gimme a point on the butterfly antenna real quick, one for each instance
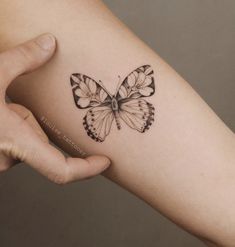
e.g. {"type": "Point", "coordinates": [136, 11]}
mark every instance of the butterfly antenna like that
{"type": "Point", "coordinates": [102, 85]}
{"type": "Point", "coordinates": [119, 84]}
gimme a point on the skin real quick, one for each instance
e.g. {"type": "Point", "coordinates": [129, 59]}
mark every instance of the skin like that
{"type": "Point", "coordinates": [183, 166]}
{"type": "Point", "coordinates": [21, 137]}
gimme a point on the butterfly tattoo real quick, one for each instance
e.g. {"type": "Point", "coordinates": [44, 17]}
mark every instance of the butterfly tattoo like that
{"type": "Point", "coordinates": [126, 104]}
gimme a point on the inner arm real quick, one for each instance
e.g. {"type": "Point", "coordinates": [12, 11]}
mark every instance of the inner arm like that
{"type": "Point", "coordinates": [183, 165]}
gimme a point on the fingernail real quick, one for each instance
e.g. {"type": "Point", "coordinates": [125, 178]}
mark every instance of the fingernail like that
{"type": "Point", "coordinates": [46, 41]}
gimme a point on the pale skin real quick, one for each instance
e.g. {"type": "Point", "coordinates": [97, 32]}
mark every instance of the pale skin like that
{"type": "Point", "coordinates": [182, 166]}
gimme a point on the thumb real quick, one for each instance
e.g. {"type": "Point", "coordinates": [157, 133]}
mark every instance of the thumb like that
{"type": "Point", "coordinates": [25, 58]}
{"type": "Point", "coordinates": [51, 163]}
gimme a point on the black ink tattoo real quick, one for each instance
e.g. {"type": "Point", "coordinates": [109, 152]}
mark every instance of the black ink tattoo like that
{"type": "Point", "coordinates": [126, 104]}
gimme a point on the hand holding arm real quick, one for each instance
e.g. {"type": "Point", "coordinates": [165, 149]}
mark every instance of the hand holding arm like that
{"type": "Point", "coordinates": [21, 137]}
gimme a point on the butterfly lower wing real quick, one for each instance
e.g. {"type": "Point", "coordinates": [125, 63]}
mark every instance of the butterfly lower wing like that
{"type": "Point", "coordinates": [139, 83]}
{"type": "Point", "coordinates": [98, 122]}
{"type": "Point", "coordinates": [137, 114]}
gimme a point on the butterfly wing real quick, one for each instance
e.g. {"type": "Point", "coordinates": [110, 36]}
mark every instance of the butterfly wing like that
{"type": "Point", "coordinates": [139, 83]}
{"type": "Point", "coordinates": [137, 114]}
{"type": "Point", "coordinates": [98, 122]}
{"type": "Point", "coordinates": [87, 92]}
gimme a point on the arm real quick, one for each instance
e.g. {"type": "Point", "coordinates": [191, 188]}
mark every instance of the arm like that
{"type": "Point", "coordinates": [183, 165]}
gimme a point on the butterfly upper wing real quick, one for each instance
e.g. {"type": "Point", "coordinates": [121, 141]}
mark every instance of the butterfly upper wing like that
{"type": "Point", "coordinates": [87, 92]}
{"type": "Point", "coordinates": [137, 114]}
{"type": "Point", "coordinates": [139, 83]}
{"type": "Point", "coordinates": [98, 122]}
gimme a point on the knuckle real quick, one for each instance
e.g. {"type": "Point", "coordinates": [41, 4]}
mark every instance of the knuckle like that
{"type": "Point", "coordinates": [10, 149]}
{"type": "Point", "coordinates": [10, 153]}
{"type": "Point", "coordinates": [3, 168]}
{"type": "Point", "coordinates": [61, 178]}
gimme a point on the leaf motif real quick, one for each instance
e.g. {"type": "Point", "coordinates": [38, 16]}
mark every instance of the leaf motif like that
{"type": "Point", "coordinates": [103, 95]}
{"type": "Point", "coordinates": [84, 102]}
{"type": "Point", "coordinates": [92, 86]}
{"type": "Point", "coordinates": [80, 93]}
{"type": "Point", "coordinates": [123, 92]}
{"type": "Point", "coordinates": [141, 78]}
{"type": "Point", "coordinates": [146, 91]}
{"type": "Point", "coordinates": [131, 80]}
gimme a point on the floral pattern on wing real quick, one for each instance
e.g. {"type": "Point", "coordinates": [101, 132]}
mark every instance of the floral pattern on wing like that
{"type": "Point", "coordinates": [139, 83]}
{"type": "Point", "coordinates": [87, 92]}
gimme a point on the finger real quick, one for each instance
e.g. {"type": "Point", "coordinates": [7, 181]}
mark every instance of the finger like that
{"type": "Point", "coordinates": [27, 115]}
{"type": "Point", "coordinates": [6, 162]}
{"type": "Point", "coordinates": [25, 58]}
{"type": "Point", "coordinates": [51, 163]}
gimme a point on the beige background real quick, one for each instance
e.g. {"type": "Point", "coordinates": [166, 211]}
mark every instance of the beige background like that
{"type": "Point", "coordinates": [197, 38]}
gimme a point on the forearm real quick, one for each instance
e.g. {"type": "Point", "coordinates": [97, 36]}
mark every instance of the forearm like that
{"type": "Point", "coordinates": [182, 166]}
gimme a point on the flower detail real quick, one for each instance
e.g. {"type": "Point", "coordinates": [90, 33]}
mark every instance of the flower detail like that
{"type": "Point", "coordinates": [86, 92]}
{"type": "Point", "coordinates": [140, 82]}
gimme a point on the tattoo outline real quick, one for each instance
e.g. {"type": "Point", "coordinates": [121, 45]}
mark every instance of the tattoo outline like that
{"type": "Point", "coordinates": [126, 104]}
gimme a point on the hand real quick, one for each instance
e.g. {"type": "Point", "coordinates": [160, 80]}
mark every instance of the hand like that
{"type": "Point", "coordinates": [21, 137]}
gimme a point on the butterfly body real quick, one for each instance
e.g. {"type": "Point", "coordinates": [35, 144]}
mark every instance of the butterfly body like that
{"type": "Point", "coordinates": [114, 104]}
{"type": "Point", "coordinates": [126, 104]}
{"type": "Point", "coordinates": [115, 109]}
